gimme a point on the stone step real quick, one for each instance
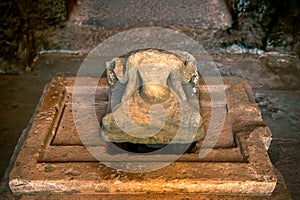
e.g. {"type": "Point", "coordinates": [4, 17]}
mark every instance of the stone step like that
{"type": "Point", "coordinates": [93, 21]}
{"type": "Point", "coordinates": [122, 13]}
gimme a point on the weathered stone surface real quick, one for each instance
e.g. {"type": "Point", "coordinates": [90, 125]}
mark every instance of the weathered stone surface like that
{"type": "Point", "coordinates": [143, 79]}
{"type": "Point", "coordinates": [263, 20]}
{"type": "Point", "coordinates": [253, 175]}
{"type": "Point", "coordinates": [141, 118]}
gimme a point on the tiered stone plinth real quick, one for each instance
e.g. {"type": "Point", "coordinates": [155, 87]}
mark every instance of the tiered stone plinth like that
{"type": "Point", "coordinates": [53, 158]}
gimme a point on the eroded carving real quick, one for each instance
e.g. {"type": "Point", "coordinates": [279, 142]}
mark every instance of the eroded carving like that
{"type": "Point", "coordinates": [154, 95]}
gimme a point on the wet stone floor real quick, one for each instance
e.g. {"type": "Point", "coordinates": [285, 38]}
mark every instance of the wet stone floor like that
{"type": "Point", "coordinates": [276, 89]}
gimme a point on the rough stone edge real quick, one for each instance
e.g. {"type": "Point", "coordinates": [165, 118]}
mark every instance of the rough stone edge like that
{"type": "Point", "coordinates": [279, 193]}
{"type": "Point", "coordinates": [180, 186]}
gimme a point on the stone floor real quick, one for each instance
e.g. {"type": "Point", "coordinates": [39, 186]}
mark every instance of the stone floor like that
{"type": "Point", "coordinates": [274, 79]}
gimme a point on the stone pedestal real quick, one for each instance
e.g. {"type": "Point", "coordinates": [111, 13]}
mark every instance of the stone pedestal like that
{"type": "Point", "coordinates": [53, 158]}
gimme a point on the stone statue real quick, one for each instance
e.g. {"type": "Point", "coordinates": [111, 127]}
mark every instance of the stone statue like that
{"type": "Point", "coordinates": [154, 97]}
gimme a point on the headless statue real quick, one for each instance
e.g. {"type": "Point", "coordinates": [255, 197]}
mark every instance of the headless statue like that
{"type": "Point", "coordinates": [154, 97]}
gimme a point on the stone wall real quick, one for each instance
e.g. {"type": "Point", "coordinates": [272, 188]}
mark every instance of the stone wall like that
{"type": "Point", "coordinates": [19, 23]}
{"type": "Point", "coordinates": [266, 24]}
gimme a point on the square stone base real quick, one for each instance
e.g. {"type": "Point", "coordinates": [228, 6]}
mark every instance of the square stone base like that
{"type": "Point", "coordinates": [54, 160]}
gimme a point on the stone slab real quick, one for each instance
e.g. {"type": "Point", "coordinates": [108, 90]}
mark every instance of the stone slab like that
{"type": "Point", "coordinates": [253, 175]}
{"type": "Point", "coordinates": [279, 193]}
{"type": "Point", "coordinates": [67, 141]}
